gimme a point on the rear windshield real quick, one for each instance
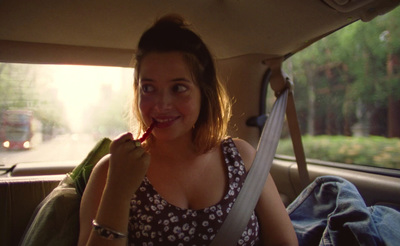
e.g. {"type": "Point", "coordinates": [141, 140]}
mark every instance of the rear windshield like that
{"type": "Point", "coordinates": [58, 112]}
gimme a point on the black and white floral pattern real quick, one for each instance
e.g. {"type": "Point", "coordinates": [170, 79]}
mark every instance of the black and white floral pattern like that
{"type": "Point", "coordinates": [154, 221]}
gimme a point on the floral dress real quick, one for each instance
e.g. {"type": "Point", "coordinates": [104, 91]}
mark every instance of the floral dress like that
{"type": "Point", "coordinates": [154, 221]}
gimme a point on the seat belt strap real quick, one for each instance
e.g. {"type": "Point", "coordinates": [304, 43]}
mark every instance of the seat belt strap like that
{"type": "Point", "coordinates": [295, 134]}
{"type": "Point", "coordinates": [238, 218]}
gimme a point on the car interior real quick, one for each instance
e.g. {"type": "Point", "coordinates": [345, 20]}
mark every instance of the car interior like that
{"type": "Point", "coordinates": [251, 41]}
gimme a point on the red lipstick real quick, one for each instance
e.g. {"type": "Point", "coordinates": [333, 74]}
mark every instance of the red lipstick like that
{"type": "Point", "coordinates": [147, 133]}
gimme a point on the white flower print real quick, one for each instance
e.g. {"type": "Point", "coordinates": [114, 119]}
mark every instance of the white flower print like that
{"type": "Point", "coordinates": [185, 227]}
{"type": "Point", "coordinates": [176, 229]}
{"type": "Point", "coordinates": [171, 238]}
{"type": "Point", "coordinates": [174, 219]}
{"type": "Point", "coordinates": [192, 231]}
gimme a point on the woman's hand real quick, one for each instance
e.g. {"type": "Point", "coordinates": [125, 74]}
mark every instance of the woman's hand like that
{"type": "Point", "coordinates": [128, 164]}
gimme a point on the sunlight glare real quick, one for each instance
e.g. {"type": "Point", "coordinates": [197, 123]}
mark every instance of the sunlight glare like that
{"type": "Point", "coordinates": [82, 86]}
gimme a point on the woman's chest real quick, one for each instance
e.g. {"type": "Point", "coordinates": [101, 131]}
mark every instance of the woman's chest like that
{"type": "Point", "coordinates": [192, 185]}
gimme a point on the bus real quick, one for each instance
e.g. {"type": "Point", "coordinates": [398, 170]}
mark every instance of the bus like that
{"type": "Point", "coordinates": [20, 130]}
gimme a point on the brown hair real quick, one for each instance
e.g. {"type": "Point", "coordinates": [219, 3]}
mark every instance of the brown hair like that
{"type": "Point", "coordinates": [171, 33]}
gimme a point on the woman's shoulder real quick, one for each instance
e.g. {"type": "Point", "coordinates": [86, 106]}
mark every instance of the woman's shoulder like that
{"type": "Point", "coordinates": [100, 171]}
{"type": "Point", "coordinates": [102, 164]}
{"type": "Point", "coordinates": [246, 150]}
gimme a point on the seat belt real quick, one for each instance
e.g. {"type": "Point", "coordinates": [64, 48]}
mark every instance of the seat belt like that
{"type": "Point", "coordinates": [238, 218]}
{"type": "Point", "coordinates": [295, 134]}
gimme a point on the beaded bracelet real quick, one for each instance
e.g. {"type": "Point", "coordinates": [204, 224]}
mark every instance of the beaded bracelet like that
{"type": "Point", "coordinates": [106, 232]}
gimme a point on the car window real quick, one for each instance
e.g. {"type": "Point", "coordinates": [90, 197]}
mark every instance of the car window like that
{"type": "Point", "coordinates": [347, 92]}
{"type": "Point", "coordinates": [58, 112]}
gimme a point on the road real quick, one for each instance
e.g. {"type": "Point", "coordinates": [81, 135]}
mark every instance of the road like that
{"type": "Point", "coordinates": [61, 148]}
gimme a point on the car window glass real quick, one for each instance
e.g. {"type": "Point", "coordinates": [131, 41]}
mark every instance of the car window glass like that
{"type": "Point", "coordinates": [347, 92]}
{"type": "Point", "coordinates": [58, 112]}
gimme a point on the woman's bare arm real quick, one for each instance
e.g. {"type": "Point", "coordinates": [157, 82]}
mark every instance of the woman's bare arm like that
{"type": "Point", "coordinates": [110, 188]}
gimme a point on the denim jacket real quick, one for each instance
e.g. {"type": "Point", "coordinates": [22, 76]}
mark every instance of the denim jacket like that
{"type": "Point", "coordinates": [330, 211]}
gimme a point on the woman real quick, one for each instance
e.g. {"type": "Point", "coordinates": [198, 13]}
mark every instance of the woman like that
{"type": "Point", "coordinates": [178, 187]}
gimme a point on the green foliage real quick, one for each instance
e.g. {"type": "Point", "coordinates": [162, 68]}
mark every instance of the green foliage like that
{"type": "Point", "coordinates": [346, 75]}
{"type": "Point", "coordinates": [374, 151]}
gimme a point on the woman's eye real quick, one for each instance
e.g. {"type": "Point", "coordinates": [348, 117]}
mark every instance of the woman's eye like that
{"type": "Point", "coordinates": [180, 88]}
{"type": "Point", "coordinates": [147, 88]}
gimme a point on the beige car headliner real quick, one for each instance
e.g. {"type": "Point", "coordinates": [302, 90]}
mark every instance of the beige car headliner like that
{"type": "Point", "coordinates": [105, 32]}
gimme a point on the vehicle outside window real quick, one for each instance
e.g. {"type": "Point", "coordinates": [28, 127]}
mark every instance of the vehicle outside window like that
{"type": "Point", "coordinates": [347, 92]}
{"type": "Point", "coordinates": [53, 113]}
{"type": "Point", "coordinates": [20, 129]}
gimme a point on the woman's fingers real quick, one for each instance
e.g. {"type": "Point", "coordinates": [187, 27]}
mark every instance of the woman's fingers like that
{"type": "Point", "coordinates": [124, 150]}
{"type": "Point", "coordinates": [124, 141]}
{"type": "Point", "coordinates": [121, 139]}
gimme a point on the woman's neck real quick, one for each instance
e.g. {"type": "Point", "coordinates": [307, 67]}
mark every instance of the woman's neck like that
{"type": "Point", "coordinates": [176, 149]}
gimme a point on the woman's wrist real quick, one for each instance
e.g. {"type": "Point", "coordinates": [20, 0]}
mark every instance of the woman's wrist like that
{"type": "Point", "coordinates": [119, 190]}
{"type": "Point", "coordinates": [106, 232]}
{"type": "Point", "coordinates": [112, 218]}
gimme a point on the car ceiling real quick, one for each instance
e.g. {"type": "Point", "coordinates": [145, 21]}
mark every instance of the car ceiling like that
{"type": "Point", "coordinates": [104, 32]}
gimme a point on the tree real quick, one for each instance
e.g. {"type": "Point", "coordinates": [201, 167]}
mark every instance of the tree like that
{"type": "Point", "coordinates": [359, 61]}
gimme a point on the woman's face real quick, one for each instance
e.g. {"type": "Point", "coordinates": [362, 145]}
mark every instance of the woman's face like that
{"type": "Point", "coordinates": [168, 95]}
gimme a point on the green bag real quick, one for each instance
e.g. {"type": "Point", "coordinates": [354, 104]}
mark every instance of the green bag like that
{"type": "Point", "coordinates": [56, 220]}
{"type": "Point", "coordinates": [80, 175]}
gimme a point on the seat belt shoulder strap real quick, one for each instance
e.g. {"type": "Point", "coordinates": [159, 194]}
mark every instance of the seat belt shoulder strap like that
{"type": "Point", "coordinates": [238, 217]}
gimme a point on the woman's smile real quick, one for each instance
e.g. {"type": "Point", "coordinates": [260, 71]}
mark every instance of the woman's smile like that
{"type": "Point", "coordinates": [163, 122]}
